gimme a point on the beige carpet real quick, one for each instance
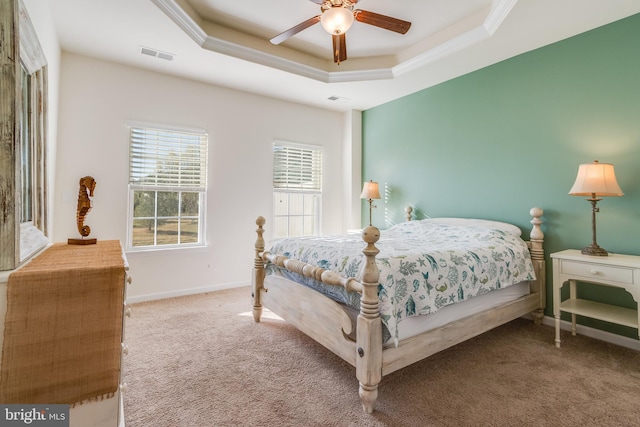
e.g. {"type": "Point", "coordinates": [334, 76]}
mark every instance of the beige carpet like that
{"type": "Point", "coordinates": [201, 361]}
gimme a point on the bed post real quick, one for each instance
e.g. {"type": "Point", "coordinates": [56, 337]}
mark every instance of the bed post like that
{"type": "Point", "coordinates": [407, 213]}
{"type": "Point", "coordinates": [369, 326]}
{"type": "Point", "coordinates": [257, 274]}
{"type": "Point", "coordinates": [536, 240]}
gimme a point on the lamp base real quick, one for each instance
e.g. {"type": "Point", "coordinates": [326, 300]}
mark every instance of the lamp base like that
{"type": "Point", "coordinates": [82, 241]}
{"type": "Point", "coordinates": [594, 251]}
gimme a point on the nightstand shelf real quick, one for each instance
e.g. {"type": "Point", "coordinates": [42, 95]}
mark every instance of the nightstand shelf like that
{"type": "Point", "coordinates": [615, 270]}
{"type": "Point", "coordinates": [597, 310]}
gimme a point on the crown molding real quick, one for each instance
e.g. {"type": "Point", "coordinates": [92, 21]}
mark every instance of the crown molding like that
{"type": "Point", "coordinates": [183, 19]}
{"type": "Point", "coordinates": [187, 19]}
{"type": "Point", "coordinates": [498, 14]}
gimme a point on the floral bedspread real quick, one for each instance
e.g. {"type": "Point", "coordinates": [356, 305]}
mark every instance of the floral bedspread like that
{"type": "Point", "coordinates": [423, 266]}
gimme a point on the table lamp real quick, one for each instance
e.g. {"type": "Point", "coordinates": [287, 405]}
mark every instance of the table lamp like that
{"type": "Point", "coordinates": [595, 180]}
{"type": "Point", "coordinates": [370, 191]}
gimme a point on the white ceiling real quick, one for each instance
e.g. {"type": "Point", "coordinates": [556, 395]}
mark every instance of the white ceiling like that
{"type": "Point", "coordinates": [227, 42]}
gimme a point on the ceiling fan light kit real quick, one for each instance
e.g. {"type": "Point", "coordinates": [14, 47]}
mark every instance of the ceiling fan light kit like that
{"type": "Point", "coordinates": [336, 18]}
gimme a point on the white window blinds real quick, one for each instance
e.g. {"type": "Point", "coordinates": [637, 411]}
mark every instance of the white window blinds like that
{"type": "Point", "coordinates": [297, 167]}
{"type": "Point", "coordinates": [167, 158]}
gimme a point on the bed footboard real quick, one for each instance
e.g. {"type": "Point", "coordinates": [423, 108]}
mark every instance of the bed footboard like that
{"type": "Point", "coordinates": [320, 317]}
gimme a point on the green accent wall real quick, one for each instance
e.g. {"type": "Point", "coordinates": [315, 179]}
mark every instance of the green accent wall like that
{"type": "Point", "coordinates": [498, 141]}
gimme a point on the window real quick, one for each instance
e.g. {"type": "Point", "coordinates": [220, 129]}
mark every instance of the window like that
{"type": "Point", "coordinates": [167, 187]}
{"type": "Point", "coordinates": [297, 189]}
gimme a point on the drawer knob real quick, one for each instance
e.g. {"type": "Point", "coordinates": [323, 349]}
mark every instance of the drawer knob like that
{"type": "Point", "coordinates": [592, 271]}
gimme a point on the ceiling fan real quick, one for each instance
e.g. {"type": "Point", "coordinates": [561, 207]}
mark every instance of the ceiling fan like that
{"type": "Point", "coordinates": [336, 18]}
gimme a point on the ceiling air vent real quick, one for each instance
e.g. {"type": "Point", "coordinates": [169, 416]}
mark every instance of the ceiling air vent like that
{"type": "Point", "coordinates": [156, 53]}
{"type": "Point", "coordinates": [338, 98]}
{"type": "Point", "coordinates": [167, 56]}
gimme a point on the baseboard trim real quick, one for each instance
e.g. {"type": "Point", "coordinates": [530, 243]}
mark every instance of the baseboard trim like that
{"type": "Point", "coordinates": [595, 333]}
{"type": "Point", "coordinates": [184, 292]}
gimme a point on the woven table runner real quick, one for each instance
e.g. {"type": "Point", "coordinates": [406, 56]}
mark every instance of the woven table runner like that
{"type": "Point", "coordinates": [63, 327]}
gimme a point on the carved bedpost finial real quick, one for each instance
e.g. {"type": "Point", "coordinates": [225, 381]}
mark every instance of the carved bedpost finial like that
{"type": "Point", "coordinates": [259, 245]}
{"type": "Point", "coordinates": [371, 274]}
{"type": "Point", "coordinates": [408, 210]}
{"type": "Point", "coordinates": [536, 236]}
{"type": "Point", "coordinates": [260, 221]}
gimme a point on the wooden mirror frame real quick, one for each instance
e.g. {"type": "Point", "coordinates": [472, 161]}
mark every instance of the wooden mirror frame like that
{"type": "Point", "coordinates": [20, 240]}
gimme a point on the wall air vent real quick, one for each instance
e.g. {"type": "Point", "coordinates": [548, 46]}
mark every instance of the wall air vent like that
{"type": "Point", "coordinates": [156, 53]}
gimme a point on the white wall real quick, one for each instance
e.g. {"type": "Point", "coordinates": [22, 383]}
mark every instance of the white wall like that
{"type": "Point", "coordinates": [352, 170]}
{"type": "Point", "coordinates": [97, 98]}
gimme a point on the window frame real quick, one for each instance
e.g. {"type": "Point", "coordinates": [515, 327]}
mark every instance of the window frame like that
{"type": "Point", "coordinates": [20, 240]}
{"type": "Point", "coordinates": [299, 188]}
{"type": "Point", "coordinates": [201, 189]}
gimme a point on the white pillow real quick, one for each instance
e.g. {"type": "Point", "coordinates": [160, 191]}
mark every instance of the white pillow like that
{"type": "Point", "coordinates": [471, 222]}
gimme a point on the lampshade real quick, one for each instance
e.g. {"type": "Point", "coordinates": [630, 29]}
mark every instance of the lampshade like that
{"type": "Point", "coordinates": [596, 178]}
{"type": "Point", "coordinates": [370, 190]}
{"type": "Point", "coordinates": [337, 20]}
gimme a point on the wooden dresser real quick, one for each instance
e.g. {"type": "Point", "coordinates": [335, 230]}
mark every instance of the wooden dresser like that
{"type": "Point", "coordinates": [63, 332]}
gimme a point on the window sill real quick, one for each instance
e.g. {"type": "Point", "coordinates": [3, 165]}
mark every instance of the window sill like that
{"type": "Point", "coordinates": [32, 241]}
{"type": "Point", "coordinates": [159, 251]}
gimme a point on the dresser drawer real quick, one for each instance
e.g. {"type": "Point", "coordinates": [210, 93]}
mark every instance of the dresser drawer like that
{"type": "Point", "coordinates": [598, 272]}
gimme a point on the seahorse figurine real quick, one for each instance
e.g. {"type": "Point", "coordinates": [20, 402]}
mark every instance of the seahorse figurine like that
{"type": "Point", "coordinates": [87, 185]}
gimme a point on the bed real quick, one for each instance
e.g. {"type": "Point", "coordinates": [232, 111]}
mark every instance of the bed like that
{"type": "Point", "coordinates": [426, 286]}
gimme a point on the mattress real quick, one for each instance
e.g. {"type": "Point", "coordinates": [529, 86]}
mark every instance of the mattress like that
{"type": "Point", "coordinates": [425, 266]}
{"type": "Point", "coordinates": [418, 324]}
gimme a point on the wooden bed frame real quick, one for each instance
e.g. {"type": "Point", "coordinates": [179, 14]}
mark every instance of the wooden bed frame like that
{"type": "Point", "coordinates": [325, 321]}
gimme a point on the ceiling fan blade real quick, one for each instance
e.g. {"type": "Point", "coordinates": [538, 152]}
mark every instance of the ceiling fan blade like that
{"type": "Point", "coordinates": [382, 21]}
{"type": "Point", "coordinates": [317, 1]}
{"type": "Point", "coordinates": [339, 48]}
{"type": "Point", "coordinates": [295, 30]}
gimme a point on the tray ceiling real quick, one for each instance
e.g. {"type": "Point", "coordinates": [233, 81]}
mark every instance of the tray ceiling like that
{"type": "Point", "coordinates": [243, 30]}
{"type": "Point", "coordinates": [226, 43]}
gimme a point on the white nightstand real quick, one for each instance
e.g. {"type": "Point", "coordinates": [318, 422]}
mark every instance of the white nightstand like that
{"type": "Point", "coordinates": [620, 271]}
